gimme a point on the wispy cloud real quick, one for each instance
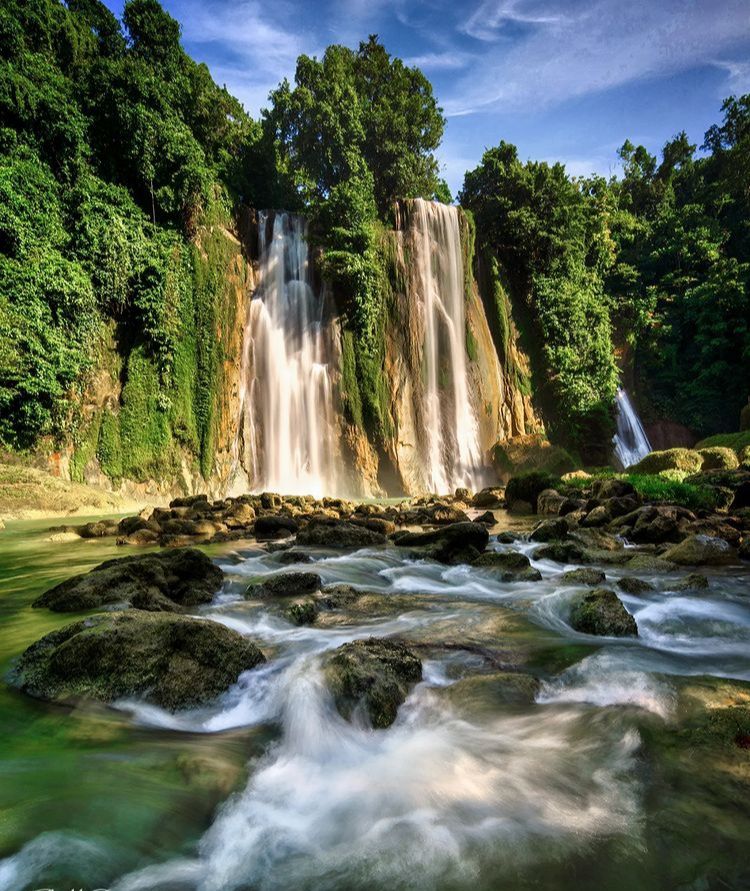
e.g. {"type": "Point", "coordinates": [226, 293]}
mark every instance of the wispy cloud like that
{"type": "Point", "coordinates": [738, 75]}
{"type": "Point", "coordinates": [440, 61]}
{"type": "Point", "coordinates": [602, 44]}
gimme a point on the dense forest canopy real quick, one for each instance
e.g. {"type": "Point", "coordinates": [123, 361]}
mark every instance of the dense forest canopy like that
{"type": "Point", "coordinates": [116, 149]}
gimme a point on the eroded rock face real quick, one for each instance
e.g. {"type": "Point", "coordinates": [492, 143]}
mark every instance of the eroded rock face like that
{"type": "Point", "coordinates": [171, 661]}
{"type": "Point", "coordinates": [372, 677]}
{"type": "Point", "coordinates": [456, 543]}
{"type": "Point", "coordinates": [601, 612]}
{"type": "Point", "coordinates": [163, 582]}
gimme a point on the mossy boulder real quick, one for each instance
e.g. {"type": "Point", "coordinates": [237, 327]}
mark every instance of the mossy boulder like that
{"type": "Point", "coordinates": [693, 582]}
{"type": "Point", "coordinates": [686, 460]}
{"type": "Point", "coordinates": [163, 582]}
{"type": "Point", "coordinates": [584, 576]}
{"type": "Point", "coordinates": [338, 534]}
{"type": "Point", "coordinates": [563, 552]}
{"type": "Point", "coordinates": [601, 612]}
{"type": "Point", "coordinates": [456, 543]}
{"type": "Point", "coordinates": [286, 584]}
{"type": "Point", "coordinates": [171, 661]}
{"type": "Point", "coordinates": [632, 585]}
{"type": "Point", "coordinates": [719, 458]}
{"type": "Point", "coordinates": [372, 678]}
{"type": "Point", "coordinates": [700, 550]}
{"type": "Point", "coordinates": [527, 487]}
{"type": "Point", "coordinates": [511, 566]}
{"type": "Point", "coordinates": [302, 612]}
{"type": "Point", "coordinates": [550, 530]}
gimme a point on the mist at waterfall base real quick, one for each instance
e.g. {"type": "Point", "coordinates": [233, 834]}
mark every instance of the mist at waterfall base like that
{"type": "Point", "coordinates": [630, 443]}
{"type": "Point", "coordinates": [290, 424]}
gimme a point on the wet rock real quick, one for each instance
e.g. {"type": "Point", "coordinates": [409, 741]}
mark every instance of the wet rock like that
{"type": "Point", "coordinates": [99, 529]}
{"type": "Point", "coordinates": [326, 533]}
{"type": "Point", "coordinates": [286, 584]}
{"type": "Point", "coordinates": [130, 525]}
{"type": "Point", "coordinates": [528, 487]}
{"type": "Point", "coordinates": [292, 555]}
{"type": "Point", "coordinates": [139, 537]}
{"type": "Point", "coordinates": [744, 549]}
{"type": "Point", "coordinates": [372, 677]}
{"type": "Point", "coordinates": [239, 515]}
{"type": "Point", "coordinates": [338, 596]}
{"type": "Point", "coordinates": [700, 550]}
{"type": "Point", "coordinates": [189, 501]}
{"type": "Point", "coordinates": [550, 530]}
{"type": "Point", "coordinates": [584, 576]}
{"type": "Point", "coordinates": [632, 585]}
{"type": "Point", "coordinates": [303, 612]}
{"type": "Point", "coordinates": [693, 582]}
{"type": "Point", "coordinates": [550, 502]}
{"type": "Point", "coordinates": [273, 526]}
{"type": "Point", "coordinates": [604, 489]}
{"type": "Point", "coordinates": [171, 661]}
{"type": "Point", "coordinates": [486, 519]}
{"type": "Point", "coordinates": [164, 581]}
{"type": "Point", "coordinates": [492, 496]}
{"type": "Point", "coordinates": [376, 524]}
{"type": "Point", "coordinates": [511, 566]}
{"type": "Point", "coordinates": [457, 543]}
{"type": "Point", "coordinates": [270, 501]}
{"type": "Point", "coordinates": [488, 691]}
{"type": "Point", "coordinates": [649, 563]}
{"type": "Point", "coordinates": [601, 612]}
{"type": "Point", "coordinates": [562, 552]}
{"type": "Point", "coordinates": [506, 537]}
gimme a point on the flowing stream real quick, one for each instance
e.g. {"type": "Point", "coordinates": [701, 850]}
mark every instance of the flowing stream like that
{"type": "Point", "coordinates": [453, 456]}
{"type": "Point", "coordinates": [286, 399]}
{"type": "Point", "coordinates": [630, 441]}
{"type": "Point", "coordinates": [588, 785]}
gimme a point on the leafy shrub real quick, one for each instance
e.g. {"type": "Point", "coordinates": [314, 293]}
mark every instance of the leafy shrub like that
{"type": "Point", "coordinates": [528, 486]}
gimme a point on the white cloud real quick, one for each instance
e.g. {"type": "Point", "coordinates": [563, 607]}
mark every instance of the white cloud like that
{"type": "Point", "coordinates": [442, 61]}
{"type": "Point", "coordinates": [604, 44]}
{"type": "Point", "coordinates": [738, 81]}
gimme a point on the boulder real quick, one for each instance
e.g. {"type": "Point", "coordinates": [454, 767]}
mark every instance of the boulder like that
{"type": "Point", "coordinates": [744, 549]}
{"type": "Point", "coordinates": [700, 550]}
{"type": "Point", "coordinates": [486, 519]}
{"type": "Point", "coordinates": [302, 612]}
{"type": "Point", "coordinates": [603, 489]}
{"type": "Point", "coordinates": [550, 503]}
{"type": "Point", "coordinates": [457, 543]}
{"type": "Point", "coordinates": [372, 678]}
{"type": "Point", "coordinates": [686, 460]}
{"type": "Point", "coordinates": [271, 526]}
{"type": "Point", "coordinates": [562, 552]}
{"type": "Point", "coordinates": [292, 555]}
{"type": "Point", "coordinates": [510, 565]}
{"type": "Point", "coordinates": [550, 530]}
{"type": "Point", "coordinates": [649, 563]}
{"type": "Point", "coordinates": [98, 529]}
{"type": "Point", "coordinates": [584, 576]}
{"type": "Point", "coordinates": [528, 487]}
{"type": "Point", "coordinates": [492, 496]}
{"type": "Point", "coordinates": [161, 582]}
{"type": "Point", "coordinates": [601, 612]}
{"type": "Point", "coordinates": [693, 582]}
{"type": "Point", "coordinates": [171, 661]}
{"type": "Point", "coordinates": [327, 533]}
{"type": "Point", "coordinates": [719, 458]}
{"type": "Point", "coordinates": [631, 585]}
{"type": "Point", "coordinates": [286, 584]}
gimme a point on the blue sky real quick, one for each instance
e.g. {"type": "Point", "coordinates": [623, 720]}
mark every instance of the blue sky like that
{"type": "Point", "coordinates": [565, 81]}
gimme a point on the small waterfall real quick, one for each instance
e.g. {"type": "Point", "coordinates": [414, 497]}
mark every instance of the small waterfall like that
{"type": "Point", "coordinates": [288, 416]}
{"type": "Point", "coordinates": [452, 452]}
{"type": "Point", "coordinates": [630, 442]}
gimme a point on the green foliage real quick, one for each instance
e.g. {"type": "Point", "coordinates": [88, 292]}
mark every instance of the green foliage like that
{"type": "Point", "coordinates": [84, 448]}
{"type": "Point", "coordinates": [658, 488]}
{"type": "Point", "coordinates": [472, 348]}
{"type": "Point", "coordinates": [551, 237]}
{"type": "Point", "coordinates": [109, 446]}
{"type": "Point", "coordinates": [523, 454]}
{"type": "Point", "coordinates": [528, 487]}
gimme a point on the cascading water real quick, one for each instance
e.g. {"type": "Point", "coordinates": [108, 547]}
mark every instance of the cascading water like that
{"type": "Point", "coordinates": [452, 452]}
{"type": "Point", "coordinates": [287, 395]}
{"type": "Point", "coordinates": [630, 442]}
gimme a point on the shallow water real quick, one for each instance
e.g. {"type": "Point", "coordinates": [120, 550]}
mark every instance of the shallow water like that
{"type": "Point", "coordinates": [596, 784]}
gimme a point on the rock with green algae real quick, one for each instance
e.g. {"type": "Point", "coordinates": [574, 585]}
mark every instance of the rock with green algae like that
{"type": "Point", "coordinates": [583, 576]}
{"type": "Point", "coordinates": [372, 676]}
{"type": "Point", "coordinates": [632, 585]}
{"type": "Point", "coordinates": [701, 550]}
{"type": "Point", "coordinates": [693, 582]}
{"type": "Point", "coordinates": [302, 612]}
{"type": "Point", "coordinates": [687, 460]}
{"type": "Point", "coordinates": [601, 612]}
{"type": "Point", "coordinates": [453, 544]}
{"type": "Point", "coordinates": [512, 566]}
{"type": "Point", "coordinates": [286, 584]}
{"type": "Point", "coordinates": [339, 534]}
{"type": "Point", "coordinates": [175, 662]}
{"type": "Point", "coordinates": [160, 582]}
{"type": "Point", "coordinates": [488, 691]}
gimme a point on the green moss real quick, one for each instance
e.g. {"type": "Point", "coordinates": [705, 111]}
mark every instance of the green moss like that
{"type": "Point", "coordinates": [350, 396]}
{"type": "Point", "coordinates": [533, 452]}
{"type": "Point", "coordinates": [84, 448]}
{"type": "Point", "coordinates": [719, 458]}
{"type": "Point", "coordinates": [109, 445]}
{"type": "Point", "coordinates": [468, 233]}
{"type": "Point", "coordinates": [472, 348]}
{"type": "Point", "coordinates": [736, 441]}
{"type": "Point", "coordinates": [670, 459]}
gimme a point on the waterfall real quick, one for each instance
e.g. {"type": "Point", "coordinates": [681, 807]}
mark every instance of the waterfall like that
{"type": "Point", "coordinates": [630, 442]}
{"type": "Point", "coordinates": [452, 452]}
{"type": "Point", "coordinates": [286, 397]}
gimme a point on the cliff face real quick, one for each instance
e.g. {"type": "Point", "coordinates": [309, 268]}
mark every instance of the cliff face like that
{"type": "Point", "coordinates": [148, 436]}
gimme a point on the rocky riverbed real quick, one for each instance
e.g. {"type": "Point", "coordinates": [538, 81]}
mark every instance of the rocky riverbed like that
{"type": "Point", "coordinates": [442, 689]}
